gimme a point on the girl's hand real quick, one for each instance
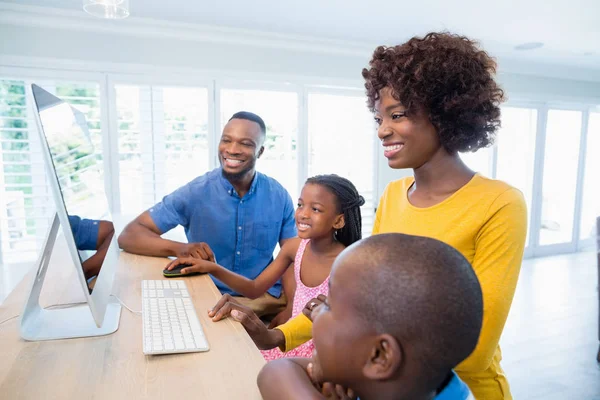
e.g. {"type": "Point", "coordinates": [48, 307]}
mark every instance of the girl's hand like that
{"type": "Point", "coordinates": [312, 304]}
{"type": "Point", "coordinates": [192, 265]}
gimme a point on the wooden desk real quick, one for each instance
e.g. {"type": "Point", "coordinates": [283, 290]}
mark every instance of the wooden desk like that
{"type": "Point", "coordinates": [113, 366]}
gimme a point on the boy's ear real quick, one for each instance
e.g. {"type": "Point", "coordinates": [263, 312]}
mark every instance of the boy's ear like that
{"type": "Point", "coordinates": [261, 151]}
{"type": "Point", "coordinates": [385, 358]}
{"type": "Point", "coordinates": [339, 222]}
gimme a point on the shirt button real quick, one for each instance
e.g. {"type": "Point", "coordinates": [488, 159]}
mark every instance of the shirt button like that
{"type": "Point", "coordinates": [237, 252]}
{"type": "Point", "coordinates": [239, 228]}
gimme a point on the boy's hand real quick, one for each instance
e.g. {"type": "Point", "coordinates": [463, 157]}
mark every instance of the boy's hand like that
{"type": "Point", "coordinates": [312, 304]}
{"type": "Point", "coordinates": [199, 250]}
{"type": "Point", "coordinates": [193, 265]}
{"type": "Point", "coordinates": [327, 389]}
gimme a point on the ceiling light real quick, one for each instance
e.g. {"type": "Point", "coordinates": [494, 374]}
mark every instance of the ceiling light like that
{"type": "Point", "coordinates": [529, 46]}
{"type": "Point", "coordinates": [111, 9]}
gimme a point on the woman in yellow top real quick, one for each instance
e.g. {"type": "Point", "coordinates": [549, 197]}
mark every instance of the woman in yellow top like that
{"type": "Point", "coordinates": [432, 98]}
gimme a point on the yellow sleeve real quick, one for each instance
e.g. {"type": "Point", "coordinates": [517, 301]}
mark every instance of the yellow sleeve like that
{"type": "Point", "coordinates": [296, 331]}
{"type": "Point", "coordinates": [376, 224]}
{"type": "Point", "coordinates": [499, 249]}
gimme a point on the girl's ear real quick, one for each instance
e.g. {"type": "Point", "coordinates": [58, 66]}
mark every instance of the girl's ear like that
{"type": "Point", "coordinates": [339, 222]}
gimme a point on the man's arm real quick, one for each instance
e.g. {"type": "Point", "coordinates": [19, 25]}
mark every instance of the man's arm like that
{"type": "Point", "coordinates": [142, 236]}
{"type": "Point", "coordinates": [92, 266]}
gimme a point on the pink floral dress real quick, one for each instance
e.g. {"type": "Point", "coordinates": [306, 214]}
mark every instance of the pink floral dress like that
{"type": "Point", "coordinates": [301, 297]}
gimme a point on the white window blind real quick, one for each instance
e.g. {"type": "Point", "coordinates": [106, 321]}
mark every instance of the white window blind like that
{"type": "Point", "coordinates": [24, 193]}
{"type": "Point", "coordinates": [162, 141]}
{"type": "Point", "coordinates": [341, 139]}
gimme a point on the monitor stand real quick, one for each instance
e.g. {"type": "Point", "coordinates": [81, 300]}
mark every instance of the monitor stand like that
{"type": "Point", "coordinates": [38, 323]}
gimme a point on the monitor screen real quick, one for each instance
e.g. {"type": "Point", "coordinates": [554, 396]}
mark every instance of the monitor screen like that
{"type": "Point", "coordinates": [80, 178]}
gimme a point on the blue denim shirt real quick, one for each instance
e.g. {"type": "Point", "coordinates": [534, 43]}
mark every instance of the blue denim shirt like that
{"type": "Point", "coordinates": [242, 232]}
{"type": "Point", "coordinates": [85, 232]}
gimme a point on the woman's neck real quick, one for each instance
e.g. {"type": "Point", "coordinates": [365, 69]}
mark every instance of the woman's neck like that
{"type": "Point", "coordinates": [444, 173]}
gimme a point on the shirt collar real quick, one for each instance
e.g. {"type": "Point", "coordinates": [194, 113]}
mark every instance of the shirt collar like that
{"type": "Point", "coordinates": [229, 187]}
{"type": "Point", "coordinates": [454, 389]}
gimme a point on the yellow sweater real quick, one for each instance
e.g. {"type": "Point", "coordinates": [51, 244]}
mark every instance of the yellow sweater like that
{"type": "Point", "coordinates": [486, 220]}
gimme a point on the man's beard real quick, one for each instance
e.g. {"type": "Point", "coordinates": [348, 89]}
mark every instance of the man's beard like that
{"type": "Point", "coordinates": [236, 176]}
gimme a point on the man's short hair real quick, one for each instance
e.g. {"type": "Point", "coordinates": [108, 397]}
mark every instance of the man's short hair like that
{"type": "Point", "coordinates": [248, 116]}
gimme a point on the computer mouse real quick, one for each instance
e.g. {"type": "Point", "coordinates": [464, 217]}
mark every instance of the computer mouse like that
{"type": "Point", "coordinates": [176, 272]}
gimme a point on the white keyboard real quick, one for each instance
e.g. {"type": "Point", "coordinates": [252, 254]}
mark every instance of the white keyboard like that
{"type": "Point", "coordinates": [170, 324]}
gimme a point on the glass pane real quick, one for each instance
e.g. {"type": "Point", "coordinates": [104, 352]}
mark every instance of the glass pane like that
{"type": "Point", "coordinates": [563, 130]}
{"type": "Point", "coordinates": [516, 151]}
{"type": "Point", "coordinates": [478, 161]}
{"type": "Point", "coordinates": [279, 110]}
{"type": "Point", "coordinates": [185, 135]}
{"type": "Point", "coordinates": [129, 116]}
{"type": "Point", "coordinates": [591, 183]}
{"type": "Point", "coordinates": [341, 136]}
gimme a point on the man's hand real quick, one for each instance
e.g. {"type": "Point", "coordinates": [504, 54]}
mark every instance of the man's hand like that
{"type": "Point", "coordinates": [312, 304]}
{"type": "Point", "coordinates": [264, 338]}
{"type": "Point", "coordinates": [196, 265]}
{"type": "Point", "coordinates": [196, 250]}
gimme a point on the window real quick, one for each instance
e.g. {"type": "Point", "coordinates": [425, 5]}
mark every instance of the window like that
{"type": "Point", "coordinates": [163, 142]}
{"type": "Point", "coordinates": [136, 170]}
{"type": "Point", "coordinates": [185, 127]}
{"type": "Point", "coordinates": [560, 176]}
{"type": "Point", "coordinates": [479, 161]}
{"type": "Point", "coordinates": [591, 184]}
{"type": "Point", "coordinates": [27, 202]}
{"type": "Point", "coordinates": [516, 151]}
{"type": "Point", "coordinates": [341, 138]}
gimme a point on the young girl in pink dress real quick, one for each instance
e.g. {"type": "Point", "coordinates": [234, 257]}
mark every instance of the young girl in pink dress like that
{"type": "Point", "coordinates": [328, 220]}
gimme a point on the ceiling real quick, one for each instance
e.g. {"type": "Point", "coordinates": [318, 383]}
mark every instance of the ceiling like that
{"type": "Point", "coordinates": [570, 30]}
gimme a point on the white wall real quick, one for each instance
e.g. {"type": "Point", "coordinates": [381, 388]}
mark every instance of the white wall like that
{"type": "Point", "coordinates": [96, 49]}
{"type": "Point", "coordinates": [173, 52]}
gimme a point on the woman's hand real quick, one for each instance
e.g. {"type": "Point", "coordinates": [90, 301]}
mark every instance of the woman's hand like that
{"type": "Point", "coordinates": [262, 337]}
{"type": "Point", "coordinates": [312, 304]}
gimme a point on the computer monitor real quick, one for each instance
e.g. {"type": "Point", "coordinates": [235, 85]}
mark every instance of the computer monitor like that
{"type": "Point", "coordinates": [77, 186]}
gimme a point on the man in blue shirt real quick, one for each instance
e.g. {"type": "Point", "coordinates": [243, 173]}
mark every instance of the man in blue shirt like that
{"type": "Point", "coordinates": [239, 212]}
{"type": "Point", "coordinates": [91, 234]}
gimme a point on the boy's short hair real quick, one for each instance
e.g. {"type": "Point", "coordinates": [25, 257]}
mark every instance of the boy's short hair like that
{"type": "Point", "coordinates": [424, 293]}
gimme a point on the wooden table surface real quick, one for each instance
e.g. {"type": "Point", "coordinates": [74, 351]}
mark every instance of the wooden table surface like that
{"type": "Point", "coordinates": [113, 366]}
